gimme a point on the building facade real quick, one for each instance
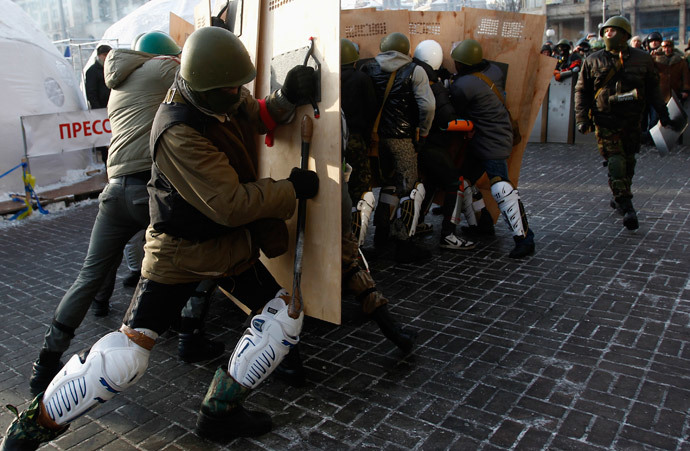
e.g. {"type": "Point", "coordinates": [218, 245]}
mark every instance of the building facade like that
{"type": "Point", "coordinates": [78, 19]}
{"type": "Point", "coordinates": [573, 19]}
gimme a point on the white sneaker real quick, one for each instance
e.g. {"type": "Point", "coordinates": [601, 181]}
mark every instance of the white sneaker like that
{"type": "Point", "coordinates": [453, 242]}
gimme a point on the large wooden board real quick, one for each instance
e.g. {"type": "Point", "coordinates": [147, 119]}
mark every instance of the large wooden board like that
{"type": "Point", "coordinates": [510, 38]}
{"type": "Point", "coordinates": [180, 29]}
{"type": "Point", "coordinates": [287, 25]}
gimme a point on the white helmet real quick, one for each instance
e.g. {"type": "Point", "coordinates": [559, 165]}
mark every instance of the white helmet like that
{"type": "Point", "coordinates": [430, 52]}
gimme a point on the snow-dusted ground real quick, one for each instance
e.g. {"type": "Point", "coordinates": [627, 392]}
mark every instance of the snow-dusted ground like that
{"type": "Point", "coordinates": [55, 211]}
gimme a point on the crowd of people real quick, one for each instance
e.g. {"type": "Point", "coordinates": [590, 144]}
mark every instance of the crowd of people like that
{"type": "Point", "coordinates": [183, 167]}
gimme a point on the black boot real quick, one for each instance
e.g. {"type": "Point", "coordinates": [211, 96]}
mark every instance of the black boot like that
{"type": "Point", "coordinates": [193, 346]}
{"type": "Point", "coordinates": [100, 307]}
{"type": "Point", "coordinates": [630, 219]}
{"type": "Point", "coordinates": [629, 215]}
{"type": "Point", "coordinates": [406, 251]}
{"type": "Point", "coordinates": [132, 279]}
{"type": "Point", "coordinates": [484, 227]}
{"type": "Point", "coordinates": [44, 370]}
{"type": "Point", "coordinates": [403, 339]}
{"type": "Point", "coordinates": [291, 371]}
{"type": "Point", "coordinates": [222, 416]}
{"type": "Point", "coordinates": [524, 246]}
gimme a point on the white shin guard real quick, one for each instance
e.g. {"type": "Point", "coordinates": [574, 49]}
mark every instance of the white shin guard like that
{"type": "Point", "coordinates": [469, 205]}
{"type": "Point", "coordinates": [417, 195]}
{"type": "Point", "coordinates": [113, 364]}
{"type": "Point", "coordinates": [265, 343]}
{"type": "Point", "coordinates": [508, 200]}
{"type": "Point", "coordinates": [365, 206]}
{"type": "Point", "coordinates": [463, 205]}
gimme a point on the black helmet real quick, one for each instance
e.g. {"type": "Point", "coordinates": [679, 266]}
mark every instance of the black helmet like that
{"type": "Point", "coordinates": [654, 36]}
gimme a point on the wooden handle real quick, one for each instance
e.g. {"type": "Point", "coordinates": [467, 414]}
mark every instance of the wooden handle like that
{"type": "Point", "coordinates": [307, 129]}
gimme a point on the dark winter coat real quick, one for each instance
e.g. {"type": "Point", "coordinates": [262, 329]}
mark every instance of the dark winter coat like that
{"type": "Point", "coordinates": [410, 103]}
{"type": "Point", "coordinates": [358, 100]}
{"type": "Point", "coordinates": [638, 72]}
{"type": "Point", "coordinates": [674, 75]}
{"type": "Point", "coordinates": [473, 99]}
{"type": "Point", "coordinates": [97, 93]}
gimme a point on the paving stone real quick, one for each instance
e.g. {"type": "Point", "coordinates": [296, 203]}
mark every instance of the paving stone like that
{"type": "Point", "coordinates": [585, 345]}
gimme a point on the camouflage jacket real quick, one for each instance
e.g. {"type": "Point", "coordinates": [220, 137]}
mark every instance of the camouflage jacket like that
{"type": "Point", "coordinates": [636, 73]}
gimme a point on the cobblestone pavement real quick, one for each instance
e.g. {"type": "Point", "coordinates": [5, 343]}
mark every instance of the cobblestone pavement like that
{"type": "Point", "coordinates": [582, 346]}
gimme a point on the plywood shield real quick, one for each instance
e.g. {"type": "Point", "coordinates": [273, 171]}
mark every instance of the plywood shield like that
{"type": "Point", "coordinates": [180, 29]}
{"type": "Point", "coordinates": [286, 26]}
{"type": "Point", "coordinates": [510, 38]}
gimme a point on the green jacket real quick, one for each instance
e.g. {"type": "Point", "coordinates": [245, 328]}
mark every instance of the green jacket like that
{"type": "Point", "coordinates": [138, 83]}
{"type": "Point", "coordinates": [638, 72]}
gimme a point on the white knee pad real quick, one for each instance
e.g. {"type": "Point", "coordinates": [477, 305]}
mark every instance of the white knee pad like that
{"type": "Point", "coordinates": [265, 343]}
{"type": "Point", "coordinates": [508, 200]}
{"type": "Point", "coordinates": [113, 364]}
{"type": "Point", "coordinates": [365, 206]}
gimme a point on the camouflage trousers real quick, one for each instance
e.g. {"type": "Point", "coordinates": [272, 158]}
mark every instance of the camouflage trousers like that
{"type": "Point", "coordinates": [356, 155]}
{"type": "Point", "coordinates": [618, 148]}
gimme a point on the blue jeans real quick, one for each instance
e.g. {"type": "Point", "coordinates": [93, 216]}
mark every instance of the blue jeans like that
{"type": "Point", "coordinates": [496, 168]}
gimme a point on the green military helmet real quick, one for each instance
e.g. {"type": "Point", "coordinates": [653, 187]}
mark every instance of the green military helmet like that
{"type": "Point", "coordinates": [618, 22]}
{"type": "Point", "coordinates": [395, 41]}
{"type": "Point", "coordinates": [348, 52]}
{"type": "Point", "coordinates": [158, 43]}
{"type": "Point", "coordinates": [597, 44]}
{"type": "Point", "coordinates": [468, 52]}
{"type": "Point", "coordinates": [213, 58]}
{"type": "Point", "coordinates": [564, 42]}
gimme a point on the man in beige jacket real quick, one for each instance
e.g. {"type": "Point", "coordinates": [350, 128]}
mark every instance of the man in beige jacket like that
{"type": "Point", "coordinates": [210, 215]}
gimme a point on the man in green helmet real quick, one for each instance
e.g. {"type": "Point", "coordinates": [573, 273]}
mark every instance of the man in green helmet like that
{"type": "Point", "coordinates": [568, 62]}
{"type": "Point", "coordinates": [408, 106]}
{"type": "Point", "coordinates": [610, 97]}
{"type": "Point", "coordinates": [475, 95]}
{"type": "Point", "coordinates": [138, 81]}
{"type": "Point", "coordinates": [210, 216]}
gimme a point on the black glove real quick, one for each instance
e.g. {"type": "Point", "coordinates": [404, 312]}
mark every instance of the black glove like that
{"type": "Point", "coordinates": [584, 127]}
{"type": "Point", "coordinates": [300, 84]}
{"type": "Point", "coordinates": [305, 182]}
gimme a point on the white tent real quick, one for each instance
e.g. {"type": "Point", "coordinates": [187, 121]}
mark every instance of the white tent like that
{"type": "Point", "coordinates": [37, 80]}
{"type": "Point", "coordinates": [154, 15]}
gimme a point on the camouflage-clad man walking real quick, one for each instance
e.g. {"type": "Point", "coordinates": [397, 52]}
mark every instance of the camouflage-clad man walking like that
{"type": "Point", "coordinates": [610, 96]}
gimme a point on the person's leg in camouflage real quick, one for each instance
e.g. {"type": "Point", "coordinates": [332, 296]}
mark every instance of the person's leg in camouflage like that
{"type": "Point", "coordinates": [619, 158]}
